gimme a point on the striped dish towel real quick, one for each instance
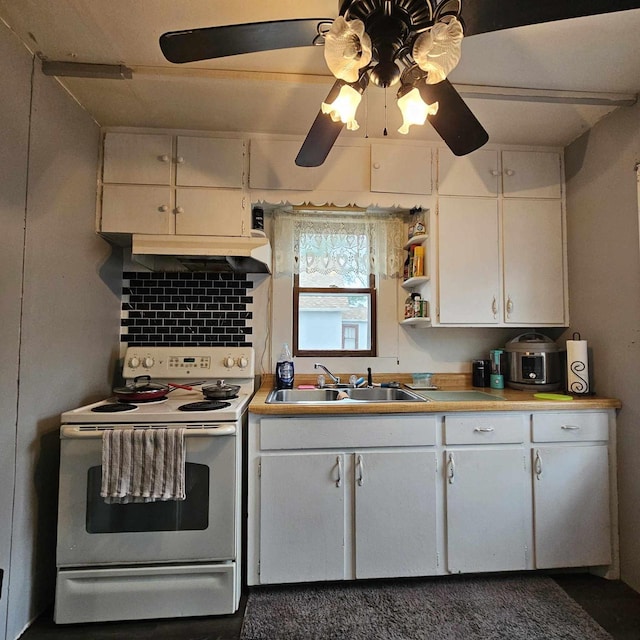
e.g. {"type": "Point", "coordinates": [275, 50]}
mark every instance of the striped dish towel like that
{"type": "Point", "coordinates": [143, 465]}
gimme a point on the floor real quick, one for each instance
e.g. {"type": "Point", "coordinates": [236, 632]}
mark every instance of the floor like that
{"type": "Point", "coordinates": [614, 606]}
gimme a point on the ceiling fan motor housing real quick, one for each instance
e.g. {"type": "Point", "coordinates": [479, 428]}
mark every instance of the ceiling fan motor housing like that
{"type": "Point", "coordinates": [391, 25]}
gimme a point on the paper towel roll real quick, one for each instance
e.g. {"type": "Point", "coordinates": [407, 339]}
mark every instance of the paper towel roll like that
{"type": "Point", "coordinates": [577, 367]}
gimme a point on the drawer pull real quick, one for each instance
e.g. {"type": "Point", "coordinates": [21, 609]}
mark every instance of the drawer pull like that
{"type": "Point", "coordinates": [360, 466]}
{"type": "Point", "coordinates": [570, 427]}
{"type": "Point", "coordinates": [484, 429]}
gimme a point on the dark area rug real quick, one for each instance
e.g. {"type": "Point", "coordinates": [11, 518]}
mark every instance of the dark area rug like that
{"type": "Point", "coordinates": [444, 608]}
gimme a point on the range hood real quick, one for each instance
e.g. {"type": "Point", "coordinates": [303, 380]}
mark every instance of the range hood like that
{"type": "Point", "coordinates": [202, 253]}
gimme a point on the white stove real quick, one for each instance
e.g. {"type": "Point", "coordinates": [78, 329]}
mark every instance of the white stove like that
{"type": "Point", "coordinates": [193, 366]}
{"type": "Point", "coordinates": [156, 559]}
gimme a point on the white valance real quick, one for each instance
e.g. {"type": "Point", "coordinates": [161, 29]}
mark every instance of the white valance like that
{"type": "Point", "coordinates": [368, 243]}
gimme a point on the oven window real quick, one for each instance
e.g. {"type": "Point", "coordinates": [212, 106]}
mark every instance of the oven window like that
{"type": "Point", "coordinates": [191, 514]}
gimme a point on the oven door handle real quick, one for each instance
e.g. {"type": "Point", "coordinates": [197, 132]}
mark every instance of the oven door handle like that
{"type": "Point", "coordinates": [68, 431]}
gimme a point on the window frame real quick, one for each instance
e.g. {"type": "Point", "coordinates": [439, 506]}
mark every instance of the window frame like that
{"type": "Point", "coordinates": [339, 353]}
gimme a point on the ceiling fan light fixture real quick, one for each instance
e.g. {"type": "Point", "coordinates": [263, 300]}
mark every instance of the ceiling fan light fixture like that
{"type": "Point", "coordinates": [437, 51]}
{"type": "Point", "coordinates": [347, 49]}
{"type": "Point", "coordinates": [344, 107]}
{"type": "Point", "coordinates": [414, 109]}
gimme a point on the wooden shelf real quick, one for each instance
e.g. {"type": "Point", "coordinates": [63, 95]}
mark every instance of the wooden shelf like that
{"type": "Point", "coordinates": [417, 322]}
{"type": "Point", "coordinates": [411, 283]}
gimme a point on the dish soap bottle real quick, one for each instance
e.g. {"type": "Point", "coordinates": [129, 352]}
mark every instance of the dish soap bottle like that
{"type": "Point", "coordinates": [284, 369]}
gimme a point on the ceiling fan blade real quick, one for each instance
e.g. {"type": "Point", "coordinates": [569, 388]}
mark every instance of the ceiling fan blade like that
{"type": "Point", "coordinates": [231, 40]}
{"type": "Point", "coordinates": [454, 122]}
{"type": "Point", "coordinates": [482, 16]}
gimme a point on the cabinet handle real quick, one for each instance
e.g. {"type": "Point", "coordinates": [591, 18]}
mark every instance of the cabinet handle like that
{"type": "Point", "coordinates": [537, 465]}
{"type": "Point", "coordinates": [164, 158]}
{"type": "Point", "coordinates": [494, 172]}
{"type": "Point", "coordinates": [360, 467]}
{"type": "Point", "coordinates": [164, 208]}
{"type": "Point", "coordinates": [570, 427]}
{"type": "Point", "coordinates": [509, 172]}
{"type": "Point", "coordinates": [509, 306]}
{"type": "Point", "coordinates": [339, 463]}
{"type": "Point", "coordinates": [180, 160]}
{"type": "Point", "coordinates": [451, 469]}
{"type": "Point", "coordinates": [484, 429]}
{"type": "Point", "coordinates": [494, 307]}
{"type": "Point", "coordinates": [179, 210]}
{"type": "Point", "coordinates": [376, 165]}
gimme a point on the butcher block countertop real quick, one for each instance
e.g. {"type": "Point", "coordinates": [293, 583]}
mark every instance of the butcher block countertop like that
{"type": "Point", "coordinates": [506, 399]}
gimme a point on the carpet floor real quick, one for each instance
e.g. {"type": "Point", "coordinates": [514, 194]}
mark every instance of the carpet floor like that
{"type": "Point", "coordinates": [451, 608]}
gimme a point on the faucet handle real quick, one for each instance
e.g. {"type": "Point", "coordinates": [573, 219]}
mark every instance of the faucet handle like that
{"type": "Point", "coordinates": [321, 381]}
{"type": "Point", "coordinates": [353, 379]}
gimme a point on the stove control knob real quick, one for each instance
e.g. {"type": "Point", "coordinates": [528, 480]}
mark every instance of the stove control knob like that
{"type": "Point", "coordinates": [148, 362]}
{"type": "Point", "coordinates": [228, 362]}
{"type": "Point", "coordinates": [243, 362]}
{"type": "Point", "coordinates": [134, 362]}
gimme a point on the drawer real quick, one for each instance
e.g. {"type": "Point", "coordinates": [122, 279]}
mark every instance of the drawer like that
{"type": "Point", "coordinates": [347, 431]}
{"type": "Point", "coordinates": [570, 426]}
{"type": "Point", "coordinates": [485, 428]}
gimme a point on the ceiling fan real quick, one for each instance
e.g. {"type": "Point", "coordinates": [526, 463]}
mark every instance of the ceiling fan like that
{"type": "Point", "coordinates": [415, 43]}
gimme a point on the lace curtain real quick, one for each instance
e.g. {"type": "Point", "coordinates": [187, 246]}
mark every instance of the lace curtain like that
{"type": "Point", "coordinates": [353, 245]}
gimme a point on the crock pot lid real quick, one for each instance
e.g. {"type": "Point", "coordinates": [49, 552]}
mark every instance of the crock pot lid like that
{"type": "Point", "coordinates": [531, 341]}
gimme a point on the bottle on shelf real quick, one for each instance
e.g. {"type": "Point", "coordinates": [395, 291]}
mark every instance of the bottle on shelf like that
{"type": "Point", "coordinates": [418, 261]}
{"type": "Point", "coordinates": [284, 369]}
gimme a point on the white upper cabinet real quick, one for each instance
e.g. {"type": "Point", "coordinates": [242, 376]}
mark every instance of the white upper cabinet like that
{"type": "Point", "coordinates": [531, 174]}
{"type": "Point", "coordinates": [476, 174]}
{"type": "Point", "coordinates": [132, 158]}
{"type": "Point", "coordinates": [534, 282]}
{"type": "Point", "coordinates": [469, 262]}
{"type": "Point", "coordinates": [209, 162]}
{"type": "Point", "coordinates": [401, 169]}
{"type": "Point", "coordinates": [272, 165]}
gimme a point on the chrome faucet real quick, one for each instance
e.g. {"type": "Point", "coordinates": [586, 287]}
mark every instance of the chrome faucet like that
{"type": "Point", "coordinates": [336, 379]}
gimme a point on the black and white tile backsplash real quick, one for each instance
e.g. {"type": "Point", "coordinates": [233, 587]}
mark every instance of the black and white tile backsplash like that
{"type": "Point", "coordinates": [175, 309]}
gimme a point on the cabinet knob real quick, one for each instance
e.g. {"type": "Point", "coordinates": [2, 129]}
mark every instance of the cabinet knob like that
{"type": "Point", "coordinates": [376, 165]}
{"type": "Point", "coordinates": [165, 158]}
{"type": "Point", "coordinates": [494, 172]}
{"type": "Point", "coordinates": [180, 160]}
{"type": "Point", "coordinates": [178, 210]}
{"type": "Point", "coordinates": [163, 208]}
{"type": "Point", "coordinates": [509, 172]}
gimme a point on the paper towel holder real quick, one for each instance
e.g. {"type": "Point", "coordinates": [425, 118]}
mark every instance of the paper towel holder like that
{"type": "Point", "coordinates": [578, 366]}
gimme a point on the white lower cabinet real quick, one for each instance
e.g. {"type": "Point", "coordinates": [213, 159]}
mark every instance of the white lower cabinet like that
{"type": "Point", "coordinates": [381, 496]}
{"type": "Point", "coordinates": [571, 490]}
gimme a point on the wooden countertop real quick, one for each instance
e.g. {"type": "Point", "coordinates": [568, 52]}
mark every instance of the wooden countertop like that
{"type": "Point", "coordinates": [506, 400]}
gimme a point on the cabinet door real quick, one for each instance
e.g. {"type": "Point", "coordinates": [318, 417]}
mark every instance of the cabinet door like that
{"type": "Point", "coordinates": [400, 169]}
{"type": "Point", "coordinates": [395, 517]}
{"type": "Point", "coordinates": [272, 166]}
{"type": "Point", "coordinates": [212, 212]}
{"type": "Point", "coordinates": [302, 518]}
{"type": "Point", "coordinates": [136, 209]}
{"type": "Point", "coordinates": [135, 158]}
{"type": "Point", "coordinates": [571, 500]}
{"type": "Point", "coordinates": [473, 175]}
{"type": "Point", "coordinates": [468, 261]}
{"type": "Point", "coordinates": [486, 509]}
{"type": "Point", "coordinates": [533, 262]}
{"type": "Point", "coordinates": [209, 162]}
{"type": "Point", "coordinates": [531, 174]}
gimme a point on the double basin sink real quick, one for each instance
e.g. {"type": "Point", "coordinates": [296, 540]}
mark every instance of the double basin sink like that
{"type": "Point", "coordinates": [368, 394]}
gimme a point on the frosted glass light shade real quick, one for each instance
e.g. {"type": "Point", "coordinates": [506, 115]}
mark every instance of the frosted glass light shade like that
{"type": "Point", "coordinates": [438, 50]}
{"type": "Point", "coordinates": [347, 49]}
{"type": "Point", "coordinates": [344, 107]}
{"type": "Point", "coordinates": [414, 110]}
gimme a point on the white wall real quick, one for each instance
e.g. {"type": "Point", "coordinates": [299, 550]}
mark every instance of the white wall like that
{"type": "Point", "coordinates": [60, 300]}
{"type": "Point", "coordinates": [604, 285]}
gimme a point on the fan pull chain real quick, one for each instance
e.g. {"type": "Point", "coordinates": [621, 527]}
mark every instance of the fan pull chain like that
{"type": "Point", "coordinates": [366, 116]}
{"type": "Point", "coordinates": [385, 132]}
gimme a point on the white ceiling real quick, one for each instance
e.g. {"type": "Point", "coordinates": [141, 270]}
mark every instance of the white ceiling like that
{"type": "Point", "coordinates": [280, 91]}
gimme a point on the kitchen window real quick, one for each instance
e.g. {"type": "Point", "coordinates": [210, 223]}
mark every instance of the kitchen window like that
{"type": "Point", "coordinates": [334, 259]}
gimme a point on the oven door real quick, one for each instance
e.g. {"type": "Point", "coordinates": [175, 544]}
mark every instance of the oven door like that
{"type": "Point", "coordinates": [201, 528]}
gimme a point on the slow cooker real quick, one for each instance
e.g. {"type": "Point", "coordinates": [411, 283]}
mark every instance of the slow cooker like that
{"type": "Point", "coordinates": [533, 363]}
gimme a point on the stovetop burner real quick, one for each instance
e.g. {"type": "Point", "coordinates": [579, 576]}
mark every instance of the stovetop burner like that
{"type": "Point", "coordinates": [114, 407]}
{"type": "Point", "coordinates": [205, 405]}
{"type": "Point", "coordinates": [150, 401]}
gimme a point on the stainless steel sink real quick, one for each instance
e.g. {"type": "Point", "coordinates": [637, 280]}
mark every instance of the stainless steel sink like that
{"type": "Point", "coordinates": [459, 396]}
{"type": "Point", "coordinates": [321, 396]}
